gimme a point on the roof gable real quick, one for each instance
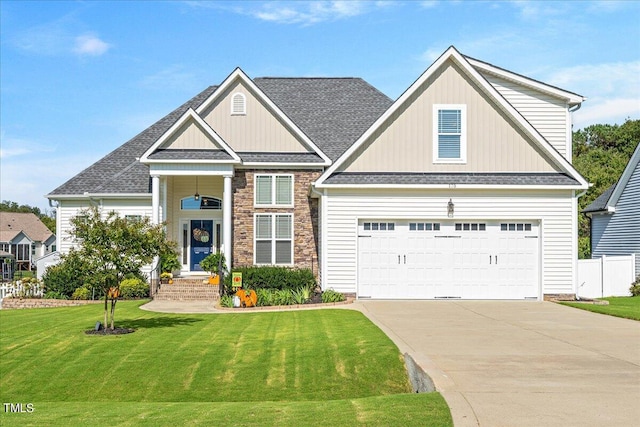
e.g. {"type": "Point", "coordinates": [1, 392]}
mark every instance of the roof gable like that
{"type": "Point", "coordinates": [14, 223]}
{"type": "Point", "coordinates": [190, 134]}
{"type": "Point", "coordinates": [404, 143]}
{"type": "Point", "coordinates": [608, 200]}
{"type": "Point", "coordinates": [262, 128]}
{"type": "Point", "coordinates": [558, 162]}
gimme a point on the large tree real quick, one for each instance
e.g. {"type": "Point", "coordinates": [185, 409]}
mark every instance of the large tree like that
{"type": "Point", "coordinates": [600, 153]}
{"type": "Point", "coordinates": [114, 247]}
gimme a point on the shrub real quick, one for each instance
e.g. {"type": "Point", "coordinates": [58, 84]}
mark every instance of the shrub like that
{"type": "Point", "coordinates": [81, 293]}
{"type": "Point", "coordinates": [226, 301]}
{"type": "Point", "coordinates": [635, 288]}
{"type": "Point", "coordinates": [169, 261]}
{"type": "Point", "coordinates": [282, 297]}
{"type": "Point", "coordinates": [332, 296]}
{"type": "Point", "coordinates": [55, 295]}
{"type": "Point", "coordinates": [271, 277]}
{"type": "Point", "coordinates": [67, 276]}
{"type": "Point", "coordinates": [301, 295]}
{"type": "Point", "coordinates": [265, 297]}
{"type": "Point", "coordinates": [134, 288]}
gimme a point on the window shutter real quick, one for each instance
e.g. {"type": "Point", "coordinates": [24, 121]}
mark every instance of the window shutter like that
{"type": "Point", "coordinates": [283, 189]}
{"type": "Point", "coordinates": [263, 190]}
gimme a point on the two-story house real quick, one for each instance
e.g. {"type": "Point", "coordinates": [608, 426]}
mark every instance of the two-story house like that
{"type": "Point", "coordinates": [461, 188]}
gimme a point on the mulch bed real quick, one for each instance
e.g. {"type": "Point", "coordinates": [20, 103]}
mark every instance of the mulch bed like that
{"type": "Point", "coordinates": [115, 331]}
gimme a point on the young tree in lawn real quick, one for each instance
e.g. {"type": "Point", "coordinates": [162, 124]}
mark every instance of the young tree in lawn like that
{"type": "Point", "coordinates": [115, 247]}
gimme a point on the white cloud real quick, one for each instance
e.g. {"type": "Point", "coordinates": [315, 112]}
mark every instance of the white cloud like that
{"type": "Point", "coordinates": [297, 12]}
{"type": "Point", "coordinates": [612, 91]}
{"type": "Point", "coordinates": [88, 44]}
{"type": "Point", "coordinates": [174, 76]}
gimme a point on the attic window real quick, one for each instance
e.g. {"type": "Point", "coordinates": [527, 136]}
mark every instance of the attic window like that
{"type": "Point", "coordinates": [449, 134]}
{"type": "Point", "coordinates": [238, 104]}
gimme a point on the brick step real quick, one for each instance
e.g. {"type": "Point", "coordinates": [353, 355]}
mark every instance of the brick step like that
{"type": "Point", "coordinates": [187, 290]}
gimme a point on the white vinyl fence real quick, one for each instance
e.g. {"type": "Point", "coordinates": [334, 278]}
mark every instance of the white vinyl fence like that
{"type": "Point", "coordinates": [17, 289]}
{"type": "Point", "coordinates": [609, 276]}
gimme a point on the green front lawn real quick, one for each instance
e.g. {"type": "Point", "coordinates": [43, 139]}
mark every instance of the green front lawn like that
{"type": "Point", "coordinates": [320, 367]}
{"type": "Point", "coordinates": [627, 307]}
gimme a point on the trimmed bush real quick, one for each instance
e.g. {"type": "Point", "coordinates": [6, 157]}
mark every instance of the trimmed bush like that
{"type": "Point", "coordinates": [271, 277]}
{"type": "Point", "coordinates": [81, 294]}
{"type": "Point", "coordinates": [67, 276]}
{"type": "Point", "coordinates": [134, 288]}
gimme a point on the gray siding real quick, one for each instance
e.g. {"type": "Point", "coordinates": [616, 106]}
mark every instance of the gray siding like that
{"type": "Point", "coordinates": [619, 233]}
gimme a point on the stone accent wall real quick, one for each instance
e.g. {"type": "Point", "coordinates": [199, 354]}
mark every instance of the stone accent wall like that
{"type": "Point", "coordinates": [305, 217]}
{"type": "Point", "coordinates": [16, 303]}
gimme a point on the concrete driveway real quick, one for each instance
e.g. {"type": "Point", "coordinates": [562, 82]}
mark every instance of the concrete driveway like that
{"type": "Point", "coordinates": [520, 363]}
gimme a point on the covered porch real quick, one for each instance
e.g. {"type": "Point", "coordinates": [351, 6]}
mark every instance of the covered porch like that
{"type": "Point", "coordinates": [196, 204]}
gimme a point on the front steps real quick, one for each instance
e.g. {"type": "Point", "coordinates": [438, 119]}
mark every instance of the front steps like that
{"type": "Point", "coordinates": [188, 289]}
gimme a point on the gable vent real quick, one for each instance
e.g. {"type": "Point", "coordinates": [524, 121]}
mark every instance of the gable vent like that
{"type": "Point", "coordinates": [238, 104]}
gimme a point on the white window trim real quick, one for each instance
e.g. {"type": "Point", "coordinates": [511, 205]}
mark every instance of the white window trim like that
{"type": "Point", "coordinates": [244, 104]}
{"type": "Point", "coordinates": [273, 203]}
{"type": "Point", "coordinates": [273, 237]}
{"type": "Point", "coordinates": [463, 132]}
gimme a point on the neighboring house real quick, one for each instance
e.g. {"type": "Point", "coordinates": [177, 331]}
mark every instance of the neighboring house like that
{"type": "Point", "coordinates": [615, 215]}
{"type": "Point", "coordinates": [25, 237]}
{"type": "Point", "coordinates": [461, 188]}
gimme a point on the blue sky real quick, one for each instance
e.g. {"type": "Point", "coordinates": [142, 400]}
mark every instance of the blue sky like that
{"type": "Point", "coordinates": [80, 78]}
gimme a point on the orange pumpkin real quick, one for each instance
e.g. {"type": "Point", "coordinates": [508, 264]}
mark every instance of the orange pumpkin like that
{"type": "Point", "coordinates": [248, 298]}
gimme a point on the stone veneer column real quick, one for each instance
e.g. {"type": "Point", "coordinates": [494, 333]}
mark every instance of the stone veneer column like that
{"type": "Point", "coordinates": [227, 220]}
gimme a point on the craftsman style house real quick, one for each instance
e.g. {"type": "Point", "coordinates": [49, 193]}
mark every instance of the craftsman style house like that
{"type": "Point", "coordinates": [461, 188]}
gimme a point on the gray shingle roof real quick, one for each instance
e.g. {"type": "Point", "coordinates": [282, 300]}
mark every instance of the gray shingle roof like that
{"type": "Point", "coordinates": [119, 171]}
{"type": "Point", "coordinates": [190, 155]}
{"type": "Point", "coordinates": [332, 112]}
{"type": "Point", "coordinates": [347, 178]}
{"type": "Point", "coordinates": [600, 204]}
{"type": "Point", "coordinates": [280, 157]}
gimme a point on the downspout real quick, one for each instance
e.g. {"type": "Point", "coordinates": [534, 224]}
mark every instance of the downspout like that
{"type": "Point", "coordinates": [321, 255]}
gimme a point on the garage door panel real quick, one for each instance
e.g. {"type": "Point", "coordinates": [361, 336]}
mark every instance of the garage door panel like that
{"type": "Point", "coordinates": [424, 260]}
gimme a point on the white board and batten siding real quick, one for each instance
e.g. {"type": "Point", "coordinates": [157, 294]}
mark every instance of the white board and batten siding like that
{"type": "Point", "coordinates": [68, 209]}
{"type": "Point", "coordinates": [552, 212]}
{"type": "Point", "coordinates": [619, 233]}
{"type": "Point", "coordinates": [549, 115]}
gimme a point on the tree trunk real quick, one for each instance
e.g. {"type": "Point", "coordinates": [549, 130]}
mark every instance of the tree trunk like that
{"type": "Point", "coordinates": [105, 310]}
{"type": "Point", "coordinates": [113, 311]}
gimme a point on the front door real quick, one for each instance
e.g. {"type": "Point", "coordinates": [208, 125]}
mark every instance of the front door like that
{"type": "Point", "coordinates": [202, 241]}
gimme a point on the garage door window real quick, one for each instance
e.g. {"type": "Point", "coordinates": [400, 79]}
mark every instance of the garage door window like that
{"type": "Point", "coordinates": [471, 226]}
{"type": "Point", "coordinates": [379, 226]}
{"type": "Point", "coordinates": [424, 226]}
{"type": "Point", "coordinates": [515, 227]}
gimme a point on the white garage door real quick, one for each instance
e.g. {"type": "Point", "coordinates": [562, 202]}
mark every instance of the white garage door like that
{"type": "Point", "coordinates": [447, 259]}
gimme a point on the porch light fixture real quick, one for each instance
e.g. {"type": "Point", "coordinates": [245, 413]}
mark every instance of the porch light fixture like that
{"type": "Point", "coordinates": [450, 207]}
{"type": "Point", "coordinates": [196, 196]}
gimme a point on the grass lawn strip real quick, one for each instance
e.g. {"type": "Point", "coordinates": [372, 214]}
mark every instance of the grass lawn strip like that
{"type": "Point", "coordinates": [285, 363]}
{"type": "Point", "coordinates": [426, 410]}
{"type": "Point", "coordinates": [626, 307]}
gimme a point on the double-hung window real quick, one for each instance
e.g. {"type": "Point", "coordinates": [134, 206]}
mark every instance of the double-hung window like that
{"type": "Point", "coordinates": [449, 133]}
{"type": "Point", "coordinates": [274, 190]}
{"type": "Point", "coordinates": [273, 239]}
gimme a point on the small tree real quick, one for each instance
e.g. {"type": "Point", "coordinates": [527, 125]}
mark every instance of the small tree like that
{"type": "Point", "coordinates": [114, 247]}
